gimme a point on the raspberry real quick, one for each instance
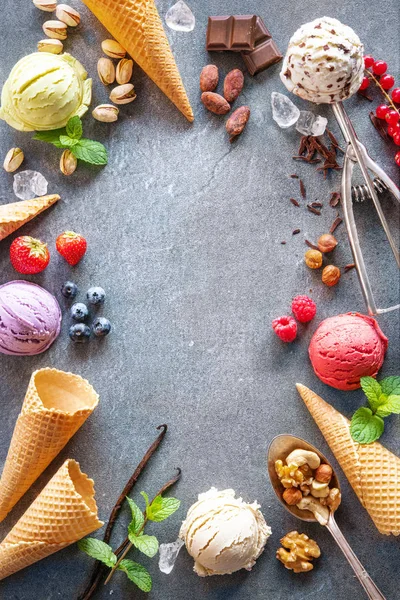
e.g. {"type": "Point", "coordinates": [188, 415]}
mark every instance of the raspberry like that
{"type": "Point", "coordinates": [303, 308]}
{"type": "Point", "coordinates": [285, 328]}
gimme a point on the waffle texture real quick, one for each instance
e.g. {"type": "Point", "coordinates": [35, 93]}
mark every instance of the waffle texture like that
{"type": "Point", "coordinates": [372, 470]}
{"type": "Point", "coordinates": [16, 214]}
{"type": "Point", "coordinates": [137, 26]}
{"type": "Point", "coordinates": [55, 406]}
{"type": "Point", "coordinates": [63, 513]}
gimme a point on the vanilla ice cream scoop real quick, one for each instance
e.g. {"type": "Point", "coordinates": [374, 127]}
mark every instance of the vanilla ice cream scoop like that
{"type": "Point", "coordinates": [223, 533]}
{"type": "Point", "coordinates": [324, 62]}
{"type": "Point", "coordinates": [43, 91]}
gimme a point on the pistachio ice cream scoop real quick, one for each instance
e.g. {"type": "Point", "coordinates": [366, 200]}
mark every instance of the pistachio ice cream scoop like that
{"type": "Point", "coordinates": [43, 91]}
{"type": "Point", "coordinates": [324, 62]}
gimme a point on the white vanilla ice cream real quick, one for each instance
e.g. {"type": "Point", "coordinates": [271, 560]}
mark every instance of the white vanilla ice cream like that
{"type": "Point", "coordinates": [223, 533]}
{"type": "Point", "coordinates": [324, 62]}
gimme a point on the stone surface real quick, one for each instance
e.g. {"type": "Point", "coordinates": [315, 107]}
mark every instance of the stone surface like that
{"type": "Point", "coordinates": [184, 233]}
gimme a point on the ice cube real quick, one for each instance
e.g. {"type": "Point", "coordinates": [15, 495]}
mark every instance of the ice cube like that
{"type": "Point", "coordinates": [284, 112]}
{"type": "Point", "coordinates": [28, 184]}
{"type": "Point", "coordinates": [310, 124]}
{"type": "Point", "coordinates": [180, 18]}
{"type": "Point", "coordinates": [168, 555]}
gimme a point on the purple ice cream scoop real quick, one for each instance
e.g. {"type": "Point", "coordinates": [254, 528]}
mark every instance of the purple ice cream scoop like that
{"type": "Point", "coordinates": [30, 318]}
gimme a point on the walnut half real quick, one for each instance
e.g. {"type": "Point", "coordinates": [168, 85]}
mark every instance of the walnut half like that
{"type": "Point", "coordinates": [300, 552]}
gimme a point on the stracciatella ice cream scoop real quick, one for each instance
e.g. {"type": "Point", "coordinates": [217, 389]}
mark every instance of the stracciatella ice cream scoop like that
{"type": "Point", "coordinates": [324, 62]}
{"type": "Point", "coordinates": [43, 91]}
{"type": "Point", "coordinates": [223, 533]}
{"type": "Point", "coordinates": [30, 318]}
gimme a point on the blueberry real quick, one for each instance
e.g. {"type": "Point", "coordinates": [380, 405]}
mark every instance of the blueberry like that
{"type": "Point", "coordinates": [101, 326]}
{"type": "Point", "coordinates": [69, 289]}
{"type": "Point", "coordinates": [79, 311]}
{"type": "Point", "coordinates": [79, 333]}
{"type": "Point", "coordinates": [96, 295]}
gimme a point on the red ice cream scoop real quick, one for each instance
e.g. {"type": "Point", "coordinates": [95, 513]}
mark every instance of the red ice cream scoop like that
{"type": "Point", "coordinates": [345, 348]}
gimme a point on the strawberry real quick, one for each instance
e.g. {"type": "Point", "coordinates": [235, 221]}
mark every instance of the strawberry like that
{"type": "Point", "coordinates": [28, 255]}
{"type": "Point", "coordinates": [72, 246]}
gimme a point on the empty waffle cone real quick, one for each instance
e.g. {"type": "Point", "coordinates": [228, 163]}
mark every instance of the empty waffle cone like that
{"type": "Point", "coordinates": [372, 470]}
{"type": "Point", "coordinates": [137, 26]}
{"type": "Point", "coordinates": [55, 406]}
{"type": "Point", "coordinates": [63, 513]}
{"type": "Point", "coordinates": [16, 214]}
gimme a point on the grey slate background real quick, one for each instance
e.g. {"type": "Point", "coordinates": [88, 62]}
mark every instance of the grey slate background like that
{"type": "Point", "coordinates": [184, 234]}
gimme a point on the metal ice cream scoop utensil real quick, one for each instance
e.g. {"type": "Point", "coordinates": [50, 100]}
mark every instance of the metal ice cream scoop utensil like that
{"type": "Point", "coordinates": [280, 447]}
{"type": "Point", "coordinates": [357, 153]}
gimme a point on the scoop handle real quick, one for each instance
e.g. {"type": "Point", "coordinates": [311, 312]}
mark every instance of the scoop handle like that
{"type": "Point", "coordinates": [367, 583]}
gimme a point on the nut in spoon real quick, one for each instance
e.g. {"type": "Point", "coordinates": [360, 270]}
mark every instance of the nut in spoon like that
{"type": "Point", "coordinates": [280, 447]}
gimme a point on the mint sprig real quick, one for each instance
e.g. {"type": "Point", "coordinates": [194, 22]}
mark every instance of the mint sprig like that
{"type": "Point", "coordinates": [158, 510]}
{"type": "Point", "coordinates": [70, 137]}
{"type": "Point", "coordinates": [383, 397]}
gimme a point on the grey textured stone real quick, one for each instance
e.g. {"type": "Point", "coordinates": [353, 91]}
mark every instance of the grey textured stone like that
{"type": "Point", "coordinates": [184, 233]}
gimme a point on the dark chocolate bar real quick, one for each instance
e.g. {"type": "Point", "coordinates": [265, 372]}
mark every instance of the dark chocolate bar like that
{"type": "Point", "coordinates": [235, 33]}
{"type": "Point", "coordinates": [264, 55]}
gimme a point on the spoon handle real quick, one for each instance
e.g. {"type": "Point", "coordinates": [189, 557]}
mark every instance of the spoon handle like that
{"type": "Point", "coordinates": [361, 574]}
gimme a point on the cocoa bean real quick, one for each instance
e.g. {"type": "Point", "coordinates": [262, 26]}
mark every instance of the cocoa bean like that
{"type": "Point", "coordinates": [209, 78]}
{"type": "Point", "coordinates": [233, 85]}
{"type": "Point", "coordinates": [237, 122]}
{"type": "Point", "coordinates": [215, 103]}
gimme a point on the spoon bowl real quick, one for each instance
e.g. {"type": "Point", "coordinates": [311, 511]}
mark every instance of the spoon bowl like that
{"type": "Point", "coordinates": [280, 447]}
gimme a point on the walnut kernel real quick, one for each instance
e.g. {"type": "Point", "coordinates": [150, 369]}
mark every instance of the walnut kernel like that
{"type": "Point", "coordinates": [300, 552]}
{"type": "Point", "coordinates": [334, 499]}
{"type": "Point", "coordinates": [289, 475]}
{"type": "Point", "coordinates": [313, 259]}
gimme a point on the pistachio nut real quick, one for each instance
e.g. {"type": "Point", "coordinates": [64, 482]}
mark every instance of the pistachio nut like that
{"type": "Point", "coordinates": [106, 113]}
{"type": "Point", "coordinates": [53, 46]}
{"type": "Point", "coordinates": [13, 160]}
{"type": "Point", "coordinates": [113, 49]}
{"type": "Point", "coordinates": [68, 15]}
{"type": "Point", "coordinates": [68, 162]}
{"type": "Point", "coordinates": [123, 94]}
{"type": "Point", "coordinates": [55, 30]}
{"type": "Point", "coordinates": [46, 5]}
{"type": "Point", "coordinates": [124, 71]}
{"type": "Point", "coordinates": [106, 70]}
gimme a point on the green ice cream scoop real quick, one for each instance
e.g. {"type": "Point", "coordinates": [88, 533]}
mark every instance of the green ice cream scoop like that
{"type": "Point", "coordinates": [44, 91]}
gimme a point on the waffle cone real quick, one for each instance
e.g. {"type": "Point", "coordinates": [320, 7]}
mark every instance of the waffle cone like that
{"type": "Point", "coordinates": [137, 26]}
{"type": "Point", "coordinates": [55, 406]}
{"type": "Point", "coordinates": [16, 214]}
{"type": "Point", "coordinates": [372, 470]}
{"type": "Point", "coordinates": [63, 513]}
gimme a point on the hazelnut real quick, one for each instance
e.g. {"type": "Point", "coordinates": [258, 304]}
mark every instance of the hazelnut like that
{"type": "Point", "coordinates": [324, 474]}
{"type": "Point", "coordinates": [327, 242]}
{"type": "Point", "coordinates": [292, 496]}
{"type": "Point", "coordinates": [313, 259]}
{"type": "Point", "coordinates": [330, 275]}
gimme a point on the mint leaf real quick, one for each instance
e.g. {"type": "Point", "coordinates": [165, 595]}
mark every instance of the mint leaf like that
{"type": "Point", "coordinates": [390, 385]}
{"type": "Point", "coordinates": [90, 151]}
{"type": "Point", "coordinates": [147, 544]}
{"type": "Point", "coordinates": [146, 498]}
{"type": "Point", "coordinates": [74, 128]}
{"type": "Point", "coordinates": [391, 406]}
{"type": "Point", "coordinates": [365, 427]}
{"type": "Point", "coordinates": [51, 137]}
{"type": "Point", "coordinates": [136, 573]}
{"type": "Point", "coordinates": [98, 550]}
{"type": "Point", "coordinates": [68, 141]}
{"type": "Point", "coordinates": [372, 390]}
{"type": "Point", "coordinates": [162, 508]}
{"type": "Point", "coordinates": [137, 517]}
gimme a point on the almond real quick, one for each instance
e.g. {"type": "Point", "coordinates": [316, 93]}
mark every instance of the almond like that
{"type": "Point", "coordinates": [215, 103]}
{"type": "Point", "coordinates": [237, 122]}
{"type": "Point", "coordinates": [209, 78]}
{"type": "Point", "coordinates": [233, 85]}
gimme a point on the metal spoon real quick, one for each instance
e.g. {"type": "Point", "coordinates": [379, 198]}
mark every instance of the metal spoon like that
{"type": "Point", "coordinates": [280, 447]}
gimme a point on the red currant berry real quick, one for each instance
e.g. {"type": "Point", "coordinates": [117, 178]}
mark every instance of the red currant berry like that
{"type": "Point", "coordinates": [397, 158]}
{"type": "Point", "coordinates": [392, 129]}
{"type": "Point", "coordinates": [381, 111]}
{"type": "Point", "coordinates": [379, 67]}
{"type": "Point", "coordinates": [396, 95]}
{"type": "Point", "coordinates": [396, 139]}
{"type": "Point", "coordinates": [387, 81]}
{"type": "Point", "coordinates": [368, 61]}
{"type": "Point", "coordinates": [392, 117]}
{"type": "Point", "coordinates": [364, 83]}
